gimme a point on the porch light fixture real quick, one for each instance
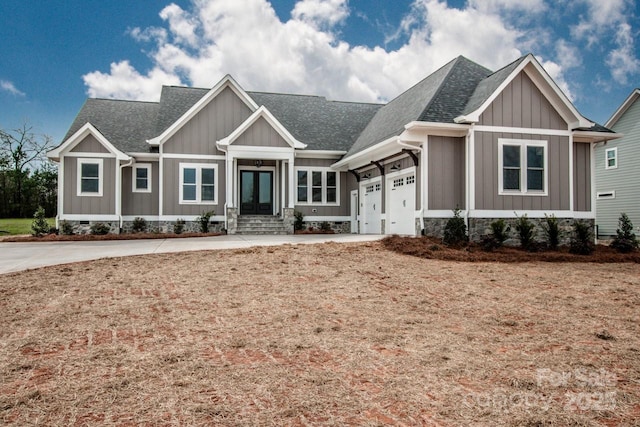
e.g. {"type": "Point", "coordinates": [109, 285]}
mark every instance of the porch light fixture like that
{"type": "Point", "coordinates": [395, 167]}
{"type": "Point", "coordinates": [258, 163]}
{"type": "Point", "coordinates": [366, 175]}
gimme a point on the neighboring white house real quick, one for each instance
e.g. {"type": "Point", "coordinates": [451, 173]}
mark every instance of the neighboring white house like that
{"type": "Point", "coordinates": [618, 169]}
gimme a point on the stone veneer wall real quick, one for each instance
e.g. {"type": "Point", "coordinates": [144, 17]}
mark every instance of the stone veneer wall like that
{"type": "Point", "coordinates": [80, 227]}
{"type": "Point", "coordinates": [338, 227]}
{"type": "Point", "coordinates": [479, 227]}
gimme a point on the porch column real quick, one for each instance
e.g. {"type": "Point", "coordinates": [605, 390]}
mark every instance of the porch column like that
{"type": "Point", "coordinates": [229, 183]}
{"type": "Point", "coordinates": [291, 183]}
{"type": "Point", "coordinates": [283, 187]}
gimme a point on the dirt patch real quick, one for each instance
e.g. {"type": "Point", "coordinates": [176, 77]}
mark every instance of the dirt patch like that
{"type": "Point", "coordinates": [326, 334]}
{"type": "Point", "coordinates": [432, 248]}
{"type": "Point", "coordinates": [92, 237]}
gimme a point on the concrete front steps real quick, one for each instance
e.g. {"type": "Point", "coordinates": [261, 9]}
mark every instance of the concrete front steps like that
{"type": "Point", "coordinates": [260, 224]}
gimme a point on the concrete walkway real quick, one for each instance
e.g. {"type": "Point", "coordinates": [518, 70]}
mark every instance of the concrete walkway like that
{"type": "Point", "coordinates": [24, 256]}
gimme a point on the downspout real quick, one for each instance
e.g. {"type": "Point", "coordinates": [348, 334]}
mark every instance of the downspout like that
{"type": "Point", "coordinates": [119, 191]}
{"type": "Point", "coordinates": [422, 202]}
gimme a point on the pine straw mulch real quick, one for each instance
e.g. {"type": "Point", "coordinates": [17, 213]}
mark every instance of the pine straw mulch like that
{"type": "Point", "coordinates": [100, 237]}
{"type": "Point", "coordinates": [326, 334]}
{"type": "Point", "coordinates": [432, 248]}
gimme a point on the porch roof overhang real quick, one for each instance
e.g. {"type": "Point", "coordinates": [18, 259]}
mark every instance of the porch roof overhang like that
{"type": "Point", "coordinates": [594, 137]}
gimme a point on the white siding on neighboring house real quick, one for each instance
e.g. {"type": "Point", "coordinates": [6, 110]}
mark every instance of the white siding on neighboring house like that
{"type": "Point", "coordinates": [618, 188]}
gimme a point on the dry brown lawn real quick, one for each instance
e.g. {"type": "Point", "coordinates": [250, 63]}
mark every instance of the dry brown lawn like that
{"type": "Point", "coordinates": [328, 334]}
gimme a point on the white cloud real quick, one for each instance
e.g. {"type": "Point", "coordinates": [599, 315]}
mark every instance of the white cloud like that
{"type": "Point", "coordinates": [124, 82]}
{"type": "Point", "coordinates": [556, 72]}
{"type": "Point", "coordinates": [8, 86]}
{"type": "Point", "coordinates": [526, 6]}
{"type": "Point", "coordinates": [246, 39]}
{"type": "Point", "coordinates": [568, 54]}
{"type": "Point", "coordinates": [321, 13]}
{"type": "Point", "coordinates": [622, 61]}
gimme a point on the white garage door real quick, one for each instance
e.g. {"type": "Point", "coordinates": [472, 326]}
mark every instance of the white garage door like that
{"type": "Point", "coordinates": [372, 206]}
{"type": "Point", "coordinates": [401, 205]}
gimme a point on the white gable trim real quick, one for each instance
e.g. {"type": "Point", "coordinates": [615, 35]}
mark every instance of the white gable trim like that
{"type": "Point", "coordinates": [273, 122]}
{"type": "Point", "coordinates": [623, 108]}
{"type": "Point", "coordinates": [226, 82]}
{"type": "Point", "coordinates": [547, 86]}
{"type": "Point", "coordinates": [79, 136]}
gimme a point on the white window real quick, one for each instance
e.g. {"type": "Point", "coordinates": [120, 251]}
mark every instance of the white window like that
{"type": "Point", "coordinates": [523, 167]}
{"type": "Point", "coordinates": [317, 186]}
{"type": "Point", "coordinates": [611, 158]}
{"type": "Point", "coordinates": [90, 177]}
{"type": "Point", "coordinates": [141, 178]}
{"type": "Point", "coordinates": [198, 183]}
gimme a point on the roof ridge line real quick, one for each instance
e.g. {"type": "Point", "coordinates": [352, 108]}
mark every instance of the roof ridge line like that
{"type": "Point", "coordinates": [440, 87]}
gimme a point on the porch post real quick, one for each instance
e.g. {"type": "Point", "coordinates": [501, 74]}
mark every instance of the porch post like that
{"type": "Point", "coordinates": [291, 183]}
{"type": "Point", "coordinates": [229, 183]}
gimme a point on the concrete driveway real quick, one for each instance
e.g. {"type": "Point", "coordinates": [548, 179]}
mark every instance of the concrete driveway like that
{"type": "Point", "coordinates": [24, 256]}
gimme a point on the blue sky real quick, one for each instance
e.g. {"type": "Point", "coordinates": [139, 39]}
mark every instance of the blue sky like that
{"type": "Point", "coordinates": [55, 54]}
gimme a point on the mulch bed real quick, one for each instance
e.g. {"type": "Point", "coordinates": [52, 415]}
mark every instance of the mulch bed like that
{"type": "Point", "coordinates": [91, 237]}
{"type": "Point", "coordinates": [433, 248]}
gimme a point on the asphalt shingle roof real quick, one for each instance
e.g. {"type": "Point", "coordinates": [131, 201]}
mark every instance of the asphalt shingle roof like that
{"type": "Point", "coordinates": [440, 97]}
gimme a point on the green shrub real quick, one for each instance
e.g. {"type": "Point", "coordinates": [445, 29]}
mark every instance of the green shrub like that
{"type": "Point", "coordinates": [552, 231]}
{"type": "Point", "coordinates": [525, 228]}
{"type": "Point", "coordinates": [139, 225]}
{"type": "Point", "coordinates": [178, 227]}
{"type": "Point", "coordinates": [99, 228]}
{"type": "Point", "coordinates": [299, 222]}
{"type": "Point", "coordinates": [499, 233]}
{"type": "Point", "coordinates": [582, 239]}
{"type": "Point", "coordinates": [625, 240]}
{"type": "Point", "coordinates": [66, 228]}
{"type": "Point", "coordinates": [204, 221]}
{"type": "Point", "coordinates": [39, 226]}
{"type": "Point", "coordinates": [325, 226]}
{"type": "Point", "coordinates": [455, 231]}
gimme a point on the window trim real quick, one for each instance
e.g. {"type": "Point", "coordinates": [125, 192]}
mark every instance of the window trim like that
{"type": "Point", "coordinates": [89, 161]}
{"type": "Point", "coordinates": [523, 144]}
{"type": "Point", "coordinates": [310, 170]}
{"type": "Point", "coordinates": [134, 178]}
{"type": "Point", "coordinates": [198, 167]}
{"type": "Point", "coordinates": [615, 158]}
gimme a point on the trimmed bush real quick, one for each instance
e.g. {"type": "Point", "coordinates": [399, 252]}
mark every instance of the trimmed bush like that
{"type": "Point", "coordinates": [299, 222]}
{"type": "Point", "coordinates": [499, 233]}
{"type": "Point", "coordinates": [40, 226]}
{"type": "Point", "coordinates": [552, 231]}
{"type": "Point", "coordinates": [100, 229]}
{"type": "Point", "coordinates": [582, 239]}
{"type": "Point", "coordinates": [178, 227]}
{"type": "Point", "coordinates": [625, 240]}
{"type": "Point", "coordinates": [525, 228]}
{"type": "Point", "coordinates": [455, 231]}
{"type": "Point", "coordinates": [139, 225]}
{"type": "Point", "coordinates": [66, 228]}
{"type": "Point", "coordinates": [204, 221]}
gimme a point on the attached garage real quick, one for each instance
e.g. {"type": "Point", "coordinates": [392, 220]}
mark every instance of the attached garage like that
{"type": "Point", "coordinates": [372, 207]}
{"type": "Point", "coordinates": [401, 203]}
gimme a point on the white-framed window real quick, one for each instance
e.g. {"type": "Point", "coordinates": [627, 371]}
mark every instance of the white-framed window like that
{"type": "Point", "coordinates": [141, 178]}
{"type": "Point", "coordinates": [198, 183]}
{"type": "Point", "coordinates": [317, 186]}
{"type": "Point", "coordinates": [90, 177]}
{"type": "Point", "coordinates": [603, 195]}
{"type": "Point", "coordinates": [611, 158]}
{"type": "Point", "coordinates": [522, 167]}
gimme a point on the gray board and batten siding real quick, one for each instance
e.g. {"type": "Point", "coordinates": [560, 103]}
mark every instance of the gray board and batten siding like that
{"type": "Point", "coordinates": [521, 104]}
{"type": "Point", "coordinates": [137, 203]}
{"type": "Point", "coordinates": [582, 177]}
{"type": "Point", "coordinates": [171, 186]}
{"type": "Point", "coordinates": [89, 145]}
{"type": "Point", "coordinates": [261, 134]}
{"type": "Point", "coordinates": [446, 179]}
{"type": "Point", "coordinates": [89, 205]}
{"type": "Point", "coordinates": [221, 116]}
{"type": "Point", "coordinates": [624, 180]}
